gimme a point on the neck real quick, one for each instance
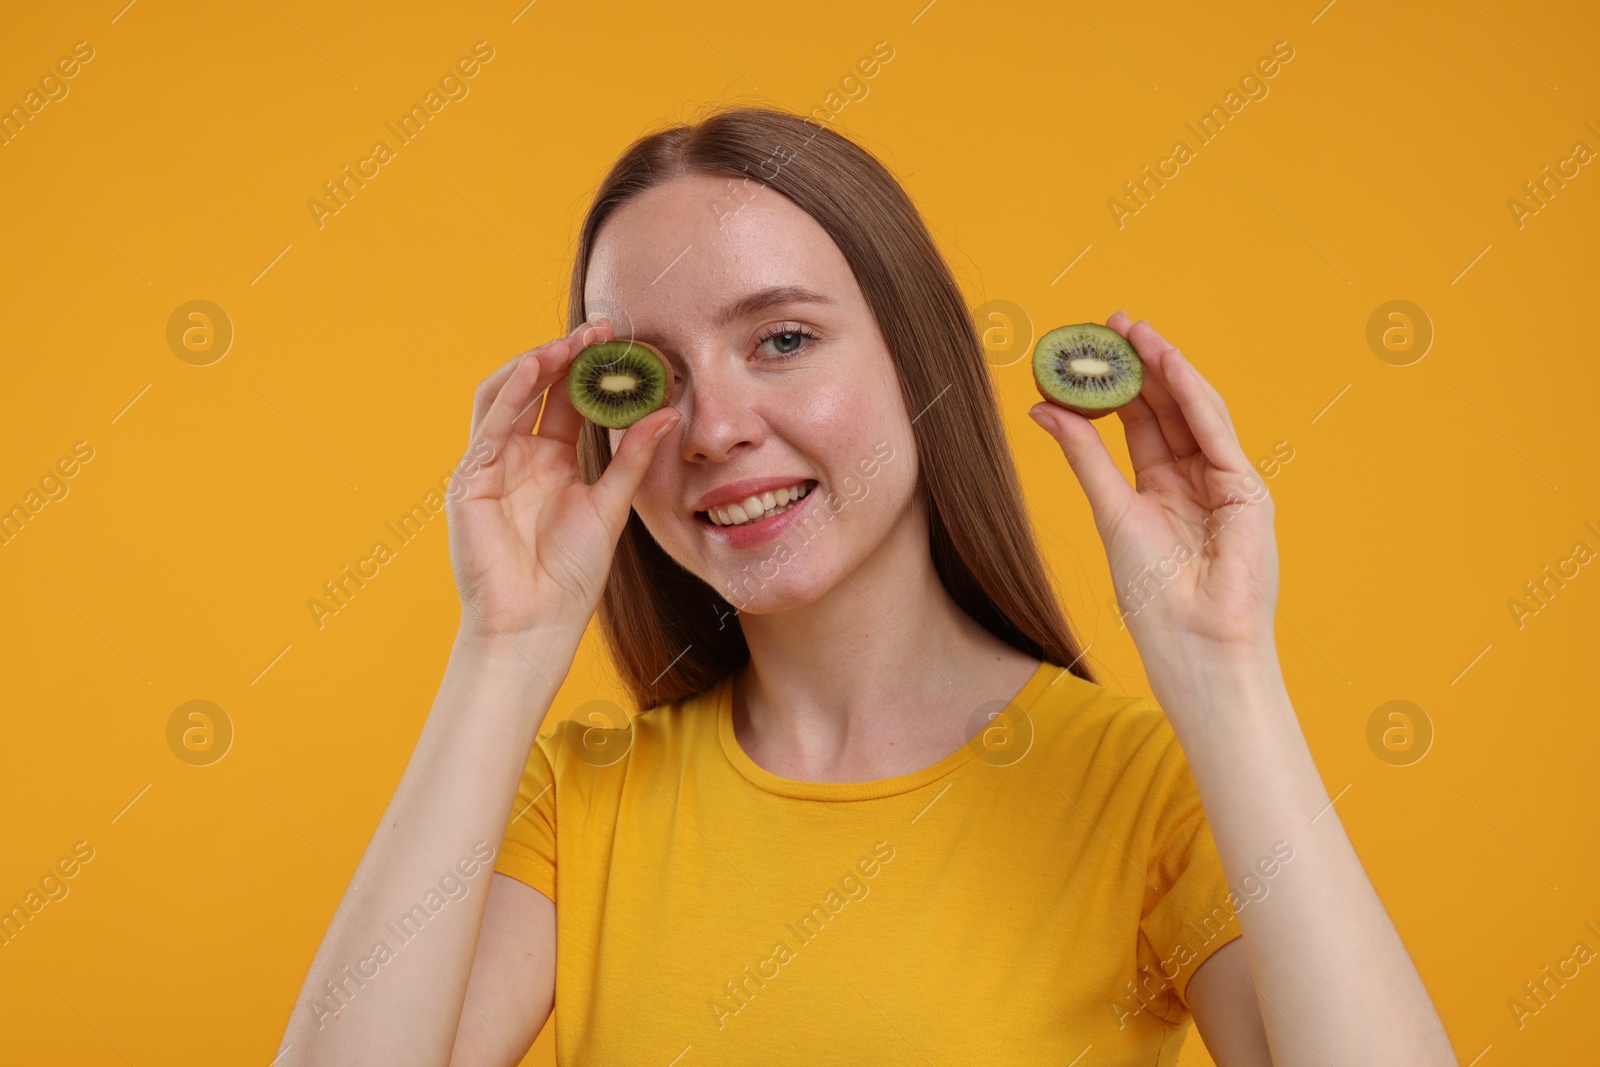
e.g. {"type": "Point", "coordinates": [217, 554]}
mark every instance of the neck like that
{"type": "Point", "coordinates": [882, 670]}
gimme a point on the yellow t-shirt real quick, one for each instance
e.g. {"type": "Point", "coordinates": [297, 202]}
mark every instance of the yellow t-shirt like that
{"type": "Point", "coordinates": [1048, 888]}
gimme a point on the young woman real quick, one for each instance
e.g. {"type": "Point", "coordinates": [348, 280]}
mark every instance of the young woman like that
{"type": "Point", "coordinates": [873, 806]}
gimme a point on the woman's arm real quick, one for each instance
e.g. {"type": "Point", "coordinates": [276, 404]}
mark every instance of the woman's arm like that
{"type": "Point", "coordinates": [531, 544]}
{"type": "Point", "coordinates": [1333, 980]}
{"type": "Point", "coordinates": [513, 983]}
{"type": "Point", "coordinates": [1193, 555]}
{"type": "Point", "coordinates": [360, 1004]}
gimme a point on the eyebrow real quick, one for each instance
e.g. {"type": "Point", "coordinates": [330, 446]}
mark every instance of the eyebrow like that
{"type": "Point", "coordinates": [751, 303]}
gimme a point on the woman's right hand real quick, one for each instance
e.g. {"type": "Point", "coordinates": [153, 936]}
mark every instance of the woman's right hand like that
{"type": "Point", "coordinates": [530, 543]}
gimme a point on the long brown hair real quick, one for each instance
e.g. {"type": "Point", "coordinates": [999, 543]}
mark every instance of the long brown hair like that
{"type": "Point", "coordinates": [670, 634]}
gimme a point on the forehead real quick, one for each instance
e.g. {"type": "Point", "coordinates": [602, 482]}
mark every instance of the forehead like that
{"type": "Point", "coordinates": [675, 254]}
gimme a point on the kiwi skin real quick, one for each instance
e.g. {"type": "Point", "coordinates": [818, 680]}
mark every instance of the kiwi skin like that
{"type": "Point", "coordinates": [1111, 342]}
{"type": "Point", "coordinates": [611, 351]}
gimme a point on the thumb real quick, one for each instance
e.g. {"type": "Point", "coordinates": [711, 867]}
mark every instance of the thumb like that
{"type": "Point", "coordinates": [1105, 486]}
{"type": "Point", "coordinates": [616, 485]}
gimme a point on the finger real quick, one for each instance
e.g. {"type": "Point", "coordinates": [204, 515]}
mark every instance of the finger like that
{"type": "Point", "coordinates": [1174, 427]}
{"type": "Point", "coordinates": [520, 395]}
{"type": "Point", "coordinates": [1205, 417]}
{"type": "Point", "coordinates": [1106, 487]}
{"type": "Point", "coordinates": [560, 421]}
{"type": "Point", "coordinates": [617, 484]}
{"type": "Point", "coordinates": [489, 388]}
{"type": "Point", "coordinates": [1147, 446]}
{"type": "Point", "coordinates": [1211, 390]}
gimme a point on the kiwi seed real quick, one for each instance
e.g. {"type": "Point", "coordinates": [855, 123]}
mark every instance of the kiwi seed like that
{"type": "Point", "coordinates": [617, 383]}
{"type": "Point", "coordinates": [1087, 368]}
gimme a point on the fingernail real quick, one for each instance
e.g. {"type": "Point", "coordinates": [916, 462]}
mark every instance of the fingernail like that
{"type": "Point", "coordinates": [666, 427]}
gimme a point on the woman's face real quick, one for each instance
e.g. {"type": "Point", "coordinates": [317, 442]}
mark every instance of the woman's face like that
{"type": "Point", "coordinates": [791, 391]}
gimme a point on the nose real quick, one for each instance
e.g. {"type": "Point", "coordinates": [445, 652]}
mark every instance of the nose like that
{"type": "Point", "coordinates": [722, 412]}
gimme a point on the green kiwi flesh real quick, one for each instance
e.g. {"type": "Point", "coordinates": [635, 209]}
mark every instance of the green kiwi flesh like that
{"type": "Point", "coordinates": [1087, 368]}
{"type": "Point", "coordinates": [617, 383]}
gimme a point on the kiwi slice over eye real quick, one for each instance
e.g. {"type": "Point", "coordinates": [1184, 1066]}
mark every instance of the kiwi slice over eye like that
{"type": "Point", "coordinates": [617, 383]}
{"type": "Point", "coordinates": [1087, 368]}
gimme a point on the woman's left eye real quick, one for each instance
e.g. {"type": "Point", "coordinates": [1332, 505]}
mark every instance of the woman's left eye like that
{"type": "Point", "coordinates": [789, 340]}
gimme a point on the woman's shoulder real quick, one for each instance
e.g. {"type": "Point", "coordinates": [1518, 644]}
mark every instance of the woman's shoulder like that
{"type": "Point", "coordinates": [600, 732]}
{"type": "Point", "coordinates": [1079, 714]}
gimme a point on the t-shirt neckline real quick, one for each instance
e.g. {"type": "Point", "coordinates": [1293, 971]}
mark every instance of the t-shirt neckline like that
{"type": "Point", "coordinates": [764, 779]}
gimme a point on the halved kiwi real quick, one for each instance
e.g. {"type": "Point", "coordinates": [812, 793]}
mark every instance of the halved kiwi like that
{"type": "Point", "coordinates": [617, 383]}
{"type": "Point", "coordinates": [1087, 368]}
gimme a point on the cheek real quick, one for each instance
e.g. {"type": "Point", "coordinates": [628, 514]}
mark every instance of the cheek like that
{"type": "Point", "coordinates": [656, 498]}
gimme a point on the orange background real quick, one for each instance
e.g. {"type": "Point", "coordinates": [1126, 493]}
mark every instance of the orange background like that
{"type": "Point", "coordinates": [219, 498]}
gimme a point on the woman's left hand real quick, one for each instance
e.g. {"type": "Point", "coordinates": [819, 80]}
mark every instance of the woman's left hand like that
{"type": "Point", "coordinates": [1190, 543]}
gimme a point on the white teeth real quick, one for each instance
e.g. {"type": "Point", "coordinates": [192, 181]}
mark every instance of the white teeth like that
{"type": "Point", "coordinates": [754, 508]}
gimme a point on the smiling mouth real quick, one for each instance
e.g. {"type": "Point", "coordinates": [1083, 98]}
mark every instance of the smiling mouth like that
{"type": "Point", "coordinates": [753, 509]}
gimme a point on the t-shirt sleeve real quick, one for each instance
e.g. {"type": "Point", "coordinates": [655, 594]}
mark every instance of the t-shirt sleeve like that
{"type": "Point", "coordinates": [1188, 910]}
{"type": "Point", "coordinates": [528, 850]}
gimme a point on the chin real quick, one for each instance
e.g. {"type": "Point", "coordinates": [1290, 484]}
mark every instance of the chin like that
{"type": "Point", "coordinates": [761, 589]}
